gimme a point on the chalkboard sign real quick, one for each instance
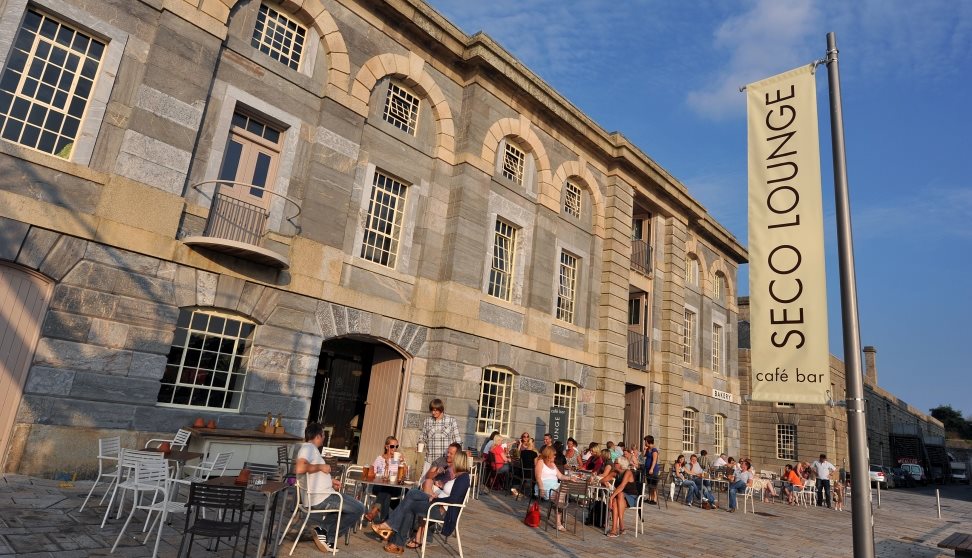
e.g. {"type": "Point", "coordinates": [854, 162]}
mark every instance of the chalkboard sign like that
{"type": "Point", "coordinates": [558, 423]}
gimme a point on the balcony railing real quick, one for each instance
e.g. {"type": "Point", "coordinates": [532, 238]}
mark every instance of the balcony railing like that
{"type": "Point", "coordinates": [638, 350]}
{"type": "Point", "coordinates": [239, 228]}
{"type": "Point", "coordinates": [641, 256]}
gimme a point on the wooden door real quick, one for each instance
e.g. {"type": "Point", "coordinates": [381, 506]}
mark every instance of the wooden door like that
{"type": "Point", "coordinates": [634, 398]}
{"type": "Point", "coordinates": [250, 160]}
{"type": "Point", "coordinates": [23, 302]}
{"type": "Point", "coordinates": [381, 408]}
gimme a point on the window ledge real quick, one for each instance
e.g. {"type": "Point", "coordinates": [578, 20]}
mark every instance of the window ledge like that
{"type": "Point", "coordinates": [52, 162]}
{"type": "Point", "coordinates": [368, 265]}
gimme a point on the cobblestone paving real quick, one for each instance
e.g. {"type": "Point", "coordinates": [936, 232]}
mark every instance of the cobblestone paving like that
{"type": "Point", "coordinates": [40, 518]}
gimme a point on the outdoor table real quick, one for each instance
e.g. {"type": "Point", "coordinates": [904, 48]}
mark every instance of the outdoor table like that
{"type": "Point", "coordinates": [378, 481]}
{"type": "Point", "coordinates": [599, 492]}
{"type": "Point", "coordinates": [271, 491]}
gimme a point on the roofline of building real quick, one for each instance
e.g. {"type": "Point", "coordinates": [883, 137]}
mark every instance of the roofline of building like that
{"type": "Point", "coordinates": [481, 49]}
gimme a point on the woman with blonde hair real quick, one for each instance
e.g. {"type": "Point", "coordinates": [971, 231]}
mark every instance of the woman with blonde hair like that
{"type": "Point", "coordinates": [548, 478]}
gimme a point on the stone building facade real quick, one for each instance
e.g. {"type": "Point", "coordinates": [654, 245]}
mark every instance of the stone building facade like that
{"type": "Point", "coordinates": [775, 434]}
{"type": "Point", "coordinates": [336, 211]}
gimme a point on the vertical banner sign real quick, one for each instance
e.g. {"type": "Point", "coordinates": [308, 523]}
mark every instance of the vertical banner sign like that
{"type": "Point", "coordinates": [558, 423]}
{"type": "Point", "coordinates": [787, 289]}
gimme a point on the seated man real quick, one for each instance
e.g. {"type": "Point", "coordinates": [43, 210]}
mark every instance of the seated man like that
{"type": "Point", "coordinates": [739, 481]}
{"type": "Point", "coordinates": [442, 469]}
{"type": "Point", "coordinates": [322, 489]}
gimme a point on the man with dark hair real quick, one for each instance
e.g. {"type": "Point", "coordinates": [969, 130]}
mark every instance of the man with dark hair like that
{"type": "Point", "coordinates": [438, 431]}
{"type": "Point", "coordinates": [547, 440]}
{"type": "Point", "coordinates": [441, 470]}
{"type": "Point", "coordinates": [652, 467]}
{"type": "Point", "coordinates": [322, 490]}
{"type": "Point", "coordinates": [823, 468]}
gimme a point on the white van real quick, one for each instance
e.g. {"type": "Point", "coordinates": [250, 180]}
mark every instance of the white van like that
{"type": "Point", "coordinates": [960, 472]}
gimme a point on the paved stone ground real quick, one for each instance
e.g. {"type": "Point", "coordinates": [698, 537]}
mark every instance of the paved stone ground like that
{"type": "Point", "coordinates": [39, 518]}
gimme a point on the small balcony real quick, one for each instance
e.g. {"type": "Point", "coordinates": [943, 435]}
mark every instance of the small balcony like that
{"type": "Point", "coordinates": [241, 229]}
{"type": "Point", "coordinates": [641, 256]}
{"type": "Point", "coordinates": [638, 350]}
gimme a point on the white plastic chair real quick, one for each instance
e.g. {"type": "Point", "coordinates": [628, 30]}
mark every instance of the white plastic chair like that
{"type": "Point", "coordinates": [445, 508]}
{"type": "Point", "coordinates": [202, 472]}
{"type": "Point", "coordinates": [179, 441]}
{"type": "Point", "coordinates": [125, 481]}
{"type": "Point", "coordinates": [150, 482]}
{"type": "Point", "coordinates": [748, 496]}
{"type": "Point", "coordinates": [108, 450]}
{"type": "Point", "coordinates": [303, 506]}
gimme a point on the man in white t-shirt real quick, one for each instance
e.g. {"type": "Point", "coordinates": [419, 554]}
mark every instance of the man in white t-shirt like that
{"type": "Point", "coordinates": [720, 461]}
{"type": "Point", "coordinates": [740, 481]}
{"type": "Point", "coordinates": [823, 468]}
{"type": "Point", "coordinates": [322, 490]}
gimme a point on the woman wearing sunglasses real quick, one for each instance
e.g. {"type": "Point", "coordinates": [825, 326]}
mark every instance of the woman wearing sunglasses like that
{"type": "Point", "coordinates": [385, 465]}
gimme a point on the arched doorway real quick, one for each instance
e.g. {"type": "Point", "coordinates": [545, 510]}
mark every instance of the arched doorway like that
{"type": "Point", "coordinates": [358, 395]}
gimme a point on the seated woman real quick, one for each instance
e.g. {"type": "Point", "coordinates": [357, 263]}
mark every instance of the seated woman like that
{"type": "Point", "coordinates": [548, 478]}
{"type": "Point", "coordinates": [560, 459]}
{"type": "Point", "coordinates": [791, 481]}
{"type": "Point", "coordinates": [592, 450]}
{"type": "Point", "coordinates": [383, 466]}
{"type": "Point", "coordinates": [681, 479]}
{"type": "Point", "coordinates": [416, 503]}
{"type": "Point", "coordinates": [608, 464]}
{"type": "Point", "coordinates": [501, 463]}
{"type": "Point", "coordinates": [573, 455]}
{"type": "Point", "coordinates": [488, 444]}
{"type": "Point", "coordinates": [594, 463]}
{"type": "Point", "coordinates": [625, 495]}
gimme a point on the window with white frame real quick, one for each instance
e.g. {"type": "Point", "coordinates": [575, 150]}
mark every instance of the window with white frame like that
{"type": "Point", "coordinates": [692, 270]}
{"type": "Point", "coordinates": [47, 83]}
{"type": "Point", "coordinates": [717, 349]}
{"type": "Point", "coordinates": [501, 269]}
{"type": "Point", "coordinates": [206, 366]}
{"type": "Point", "coordinates": [690, 325]}
{"type": "Point", "coordinates": [786, 441]}
{"type": "Point", "coordinates": [572, 199]}
{"type": "Point", "coordinates": [514, 159]}
{"type": "Point", "coordinates": [279, 37]}
{"type": "Point", "coordinates": [565, 395]}
{"type": "Point", "coordinates": [401, 108]}
{"type": "Point", "coordinates": [567, 292]}
{"type": "Point", "coordinates": [719, 286]}
{"type": "Point", "coordinates": [689, 430]}
{"type": "Point", "coordinates": [719, 427]}
{"type": "Point", "coordinates": [383, 226]}
{"type": "Point", "coordinates": [495, 401]}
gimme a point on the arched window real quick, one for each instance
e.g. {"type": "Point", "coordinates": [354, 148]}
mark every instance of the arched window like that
{"type": "Point", "coordinates": [719, 426]}
{"type": "Point", "coordinates": [207, 363]}
{"type": "Point", "coordinates": [692, 270]}
{"type": "Point", "coordinates": [401, 108]}
{"type": "Point", "coordinates": [573, 199]}
{"type": "Point", "coordinates": [689, 429]}
{"type": "Point", "coordinates": [719, 286]}
{"type": "Point", "coordinates": [495, 401]}
{"type": "Point", "coordinates": [565, 395]}
{"type": "Point", "coordinates": [279, 36]}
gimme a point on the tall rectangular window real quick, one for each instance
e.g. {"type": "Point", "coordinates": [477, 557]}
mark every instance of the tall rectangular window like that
{"type": "Point", "coordinates": [501, 270]}
{"type": "Point", "coordinates": [495, 401]}
{"type": "Point", "coordinates": [717, 350]}
{"type": "Point", "coordinates": [689, 430]}
{"type": "Point", "coordinates": [279, 37]}
{"type": "Point", "coordinates": [692, 270]}
{"type": "Point", "coordinates": [719, 426]}
{"type": "Point", "coordinates": [513, 161]}
{"type": "Point", "coordinates": [206, 366]}
{"type": "Point", "coordinates": [383, 226]}
{"type": "Point", "coordinates": [565, 395]}
{"type": "Point", "coordinates": [401, 108]}
{"type": "Point", "coordinates": [568, 288]}
{"type": "Point", "coordinates": [690, 326]}
{"type": "Point", "coordinates": [572, 199]}
{"type": "Point", "coordinates": [786, 441]}
{"type": "Point", "coordinates": [47, 83]}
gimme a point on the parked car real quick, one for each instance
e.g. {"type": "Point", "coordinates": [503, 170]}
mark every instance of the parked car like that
{"type": "Point", "coordinates": [890, 480]}
{"type": "Point", "coordinates": [916, 471]}
{"type": "Point", "coordinates": [900, 478]}
{"type": "Point", "coordinates": [877, 476]}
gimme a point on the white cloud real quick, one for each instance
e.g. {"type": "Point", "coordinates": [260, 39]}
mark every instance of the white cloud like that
{"type": "Point", "coordinates": [768, 38]}
{"type": "Point", "coordinates": [936, 213]}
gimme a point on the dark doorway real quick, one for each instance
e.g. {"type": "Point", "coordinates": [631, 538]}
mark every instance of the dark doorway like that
{"type": "Point", "coordinates": [356, 395]}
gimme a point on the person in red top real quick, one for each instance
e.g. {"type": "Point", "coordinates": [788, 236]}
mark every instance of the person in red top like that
{"type": "Point", "coordinates": [501, 463]}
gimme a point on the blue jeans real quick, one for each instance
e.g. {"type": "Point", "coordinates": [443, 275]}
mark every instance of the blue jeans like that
{"type": "Point", "coordinates": [733, 489]}
{"type": "Point", "coordinates": [690, 491]}
{"type": "Point", "coordinates": [351, 513]}
{"type": "Point", "coordinates": [414, 504]}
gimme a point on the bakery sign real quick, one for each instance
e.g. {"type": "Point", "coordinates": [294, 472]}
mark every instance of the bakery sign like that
{"type": "Point", "coordinates": [724, 395]}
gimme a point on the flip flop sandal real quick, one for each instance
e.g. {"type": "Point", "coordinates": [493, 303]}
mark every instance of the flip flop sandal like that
{"type": "Point", "coordinates": [413, 544]}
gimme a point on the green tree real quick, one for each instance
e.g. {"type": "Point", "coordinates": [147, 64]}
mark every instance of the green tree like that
{"type": "Point", "coordinates": [953, 420]}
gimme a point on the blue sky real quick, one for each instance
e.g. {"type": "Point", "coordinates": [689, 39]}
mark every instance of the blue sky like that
{"type": "Point", "coordinates": [666, 74]}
